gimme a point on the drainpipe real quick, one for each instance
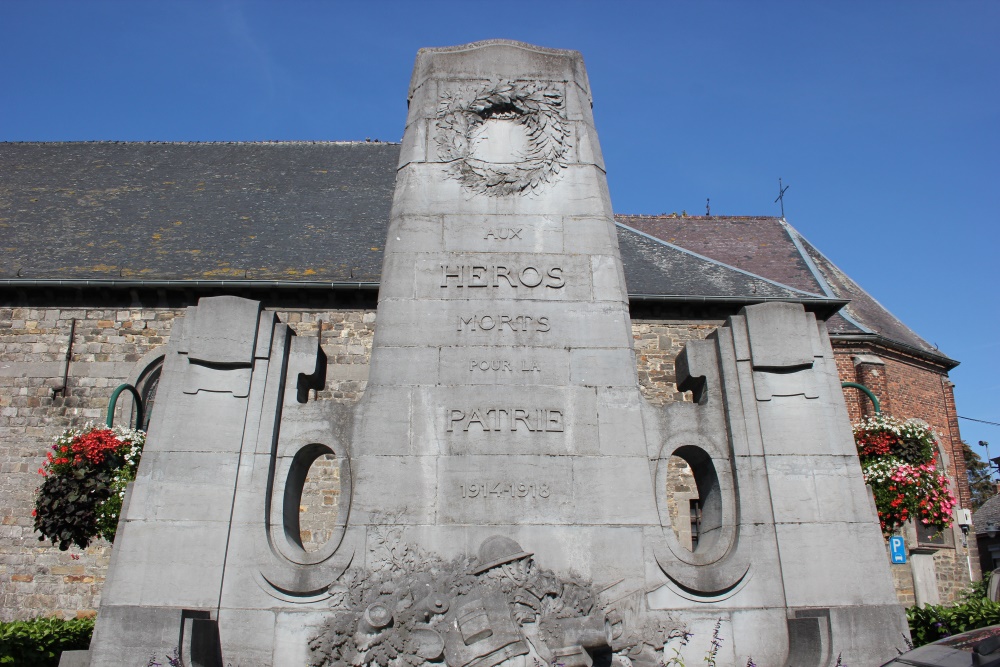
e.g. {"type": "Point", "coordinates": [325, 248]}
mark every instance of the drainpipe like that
{"type": "Point", "coordinates": [867, 392]}
{"type": "Point", "coordinates": [64, 389]}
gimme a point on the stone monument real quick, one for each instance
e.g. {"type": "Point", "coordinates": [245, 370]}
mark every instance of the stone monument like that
{"type": "Point", "coordinates": [503, 483]}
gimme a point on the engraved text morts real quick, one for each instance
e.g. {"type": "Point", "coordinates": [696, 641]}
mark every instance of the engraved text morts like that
{"type": "Point", "coordinates": [503, 483]}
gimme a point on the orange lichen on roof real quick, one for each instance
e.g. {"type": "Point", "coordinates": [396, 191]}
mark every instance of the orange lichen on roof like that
{"type": "Point", "coordinates": [95, 268]}
{"type": "Point", "coordinates": [223, 272]}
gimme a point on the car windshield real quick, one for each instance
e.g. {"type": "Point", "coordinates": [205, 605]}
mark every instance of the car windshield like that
{"type": "Point", "coordinates": [968, 640]}
{"type": "Point", "coordinates": [956, 651]}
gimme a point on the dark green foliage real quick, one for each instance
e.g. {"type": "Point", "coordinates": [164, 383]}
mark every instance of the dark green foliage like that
{"type": "Point", "coordinates": [85, 476]}
{"type": "Point", "coordinates": [980, 477]}
{"type": "Point", "coordinates": [66, 506]}
{"type": "Point", "coordinates": [38, 642]}
{"type": "Point", "coordinates": [915, 451]}
{"type": "Point", "coordinates": [978, 590]}
{"type": "Point", "coordinates": [937, 622]}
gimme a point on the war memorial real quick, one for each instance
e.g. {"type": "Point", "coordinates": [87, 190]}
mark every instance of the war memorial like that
{"type": "Point", "coordinates": [503, 482]}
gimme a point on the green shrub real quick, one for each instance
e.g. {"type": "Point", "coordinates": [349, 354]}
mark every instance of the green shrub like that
{"type": "Point", "coordinates": [937, 622]}
{"type": "Point", "coordinates": [40, 641]}
{"type": "Point", "coordinates": [978, 590]}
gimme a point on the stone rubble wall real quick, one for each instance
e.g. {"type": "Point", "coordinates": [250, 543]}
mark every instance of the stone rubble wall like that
{"type": "Point", "coordinates": [657, 344]}
{"type": "Point", "coordinates": [952, 569]}
{"type": "Point", "coordinates": [902, 581]}
{"type": "Point", "coordinates": [36, 579]}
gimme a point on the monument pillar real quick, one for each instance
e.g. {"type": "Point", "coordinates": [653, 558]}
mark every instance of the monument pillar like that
{"type": "Point", "coordinates": [503, 498]}
{"type": "Point", "coordinates": [503, 341]}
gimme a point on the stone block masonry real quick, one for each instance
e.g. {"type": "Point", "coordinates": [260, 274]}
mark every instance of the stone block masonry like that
{"type": "Point", "coordinates": [36, 579]}
{"type": "Point", "coordinates": [502, 430]}
{"type": "Point", "coordinates": [518, 469]}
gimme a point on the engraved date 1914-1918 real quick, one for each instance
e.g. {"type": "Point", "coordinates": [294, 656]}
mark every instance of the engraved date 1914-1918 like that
{"type": "Point", "coordinates": [492, 489]}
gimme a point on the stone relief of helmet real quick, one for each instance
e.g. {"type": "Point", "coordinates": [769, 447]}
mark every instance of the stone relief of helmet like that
{"type": "Point", "coordinates": [498, 550]}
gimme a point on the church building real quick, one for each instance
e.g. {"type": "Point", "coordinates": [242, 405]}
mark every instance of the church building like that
{"type": "Point", "coordinates": [104, 245]}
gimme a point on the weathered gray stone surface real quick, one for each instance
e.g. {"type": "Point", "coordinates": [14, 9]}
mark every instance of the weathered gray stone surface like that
{"type": "Point", "coordinates": [74, 659]}
{"type": "Point", "coordinates": [503, 483]}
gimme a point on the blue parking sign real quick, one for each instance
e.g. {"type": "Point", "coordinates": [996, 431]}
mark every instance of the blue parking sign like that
{"type": "Point", "coordinates": [898, 549]}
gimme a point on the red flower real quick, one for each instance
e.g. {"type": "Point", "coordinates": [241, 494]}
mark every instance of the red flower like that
{"type": "Point", "coordinates": [94, 446]}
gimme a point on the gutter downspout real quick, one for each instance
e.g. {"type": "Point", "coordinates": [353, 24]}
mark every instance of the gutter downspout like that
{"type": "Point", "coordinates": [64, 388]}
{"type": "Point", "coordinates": [868, 392]}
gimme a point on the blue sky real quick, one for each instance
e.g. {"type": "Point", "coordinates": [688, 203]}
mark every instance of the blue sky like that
{"type": "Point", "coordinates": [883, 118]}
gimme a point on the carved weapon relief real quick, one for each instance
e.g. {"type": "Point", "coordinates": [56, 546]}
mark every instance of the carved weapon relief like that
{"type": "Point", "coordinates": [498, 609]}
{"type": "Point", "coordinates": [503, 137]}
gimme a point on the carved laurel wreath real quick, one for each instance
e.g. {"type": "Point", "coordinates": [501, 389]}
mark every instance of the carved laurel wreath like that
{"type": "Point", "coordinates": [536, 106]}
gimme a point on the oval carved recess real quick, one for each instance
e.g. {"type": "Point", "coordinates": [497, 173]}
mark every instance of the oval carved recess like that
{"type": "Point", "coordinates": [683, 502]}
{"type": "Point", "coordinates": [319, 504]}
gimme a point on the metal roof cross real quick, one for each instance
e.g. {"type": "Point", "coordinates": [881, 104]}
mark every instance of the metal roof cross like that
{"type": "Point", "coordinates": [781, 197]}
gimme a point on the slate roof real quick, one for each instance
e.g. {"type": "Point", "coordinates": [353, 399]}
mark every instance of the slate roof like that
{"type": "Point", "coordinates": [772, 248]}
{"type": "Point", "coordinates": [988, 514]}
{"type": "Point", "coordinates": [316, 213]}
{"type": "Point", "coordinates": [654, 267]}
{"type": "Point", "coordinates": [195, 211]}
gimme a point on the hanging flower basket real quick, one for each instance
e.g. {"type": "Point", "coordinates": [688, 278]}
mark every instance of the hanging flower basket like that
{"type": "Point", "coordinates": [899, 461]}
{"type": "Point", "coordinates": [85, 475]}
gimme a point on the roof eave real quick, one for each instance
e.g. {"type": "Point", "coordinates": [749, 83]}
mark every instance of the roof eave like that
{"type": "Point", "coordinates": [823, 308]}
{"type": "Point", "coordinates": [883, 341]}
{"type": "Point", "coordinates": [125, 283]}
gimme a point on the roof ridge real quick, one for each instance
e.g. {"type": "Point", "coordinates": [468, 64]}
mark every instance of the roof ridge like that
{"type": "Point", "coordinates": [722, 264]}
{"type": "Point", "coordinates": [866, 293]}
{"type": "Point", "coordinates": [797, 239]}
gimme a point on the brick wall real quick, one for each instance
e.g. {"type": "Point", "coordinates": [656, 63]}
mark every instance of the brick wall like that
{"type": "Point", "coordinates": [913, 388]}
{"type": "Point", "coordinates": [909, 387]}
{"type": "Point", "coordinates": [37, 579]}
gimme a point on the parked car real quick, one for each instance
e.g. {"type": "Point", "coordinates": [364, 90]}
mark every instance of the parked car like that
{"type": "Point", "coordinates": [980, 648]}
